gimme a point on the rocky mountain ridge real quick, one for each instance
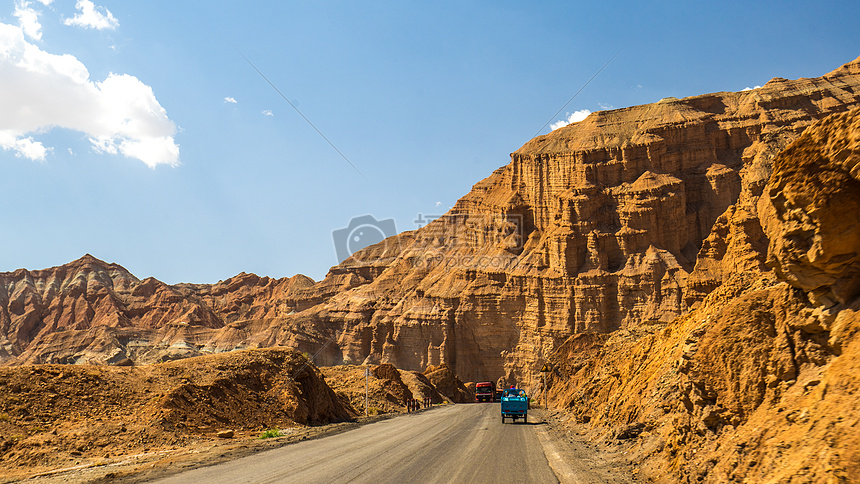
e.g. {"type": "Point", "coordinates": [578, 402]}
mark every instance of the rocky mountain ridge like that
{"type": "Point", "coordinates": [627, 219]}
{"type": "Point", "coordinates": [688, 270]}
{"type": "Point", "coordinates": [90, 311]}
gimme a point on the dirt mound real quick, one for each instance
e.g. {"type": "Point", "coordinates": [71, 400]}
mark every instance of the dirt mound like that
{"type": "Point", "coordinates": [388, 387]}
{"type": "Point", "coordinates": [61, 415]}
{"type": "Point", "coordinates": [447, 383]}
{"type": "Point", "coordinates": [253, 387]}
{"type": "Point", "coordinates": [386, 393]}
{"type": "Point", "coordinates": [420, 386]}
{"type": "Point", "coordinates": [391, 382]}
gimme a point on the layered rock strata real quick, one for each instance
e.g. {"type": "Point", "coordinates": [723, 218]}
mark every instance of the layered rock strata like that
{"type": "Point", "coordinates": [628, 218]}
{"type": "Point", "coordinates": [759, 382]}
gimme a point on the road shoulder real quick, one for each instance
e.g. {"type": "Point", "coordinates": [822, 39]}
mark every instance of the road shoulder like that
{"type": "Point", "coordinates": [157, 465]}
{"type": "Point", "coordinates": [574, 457]}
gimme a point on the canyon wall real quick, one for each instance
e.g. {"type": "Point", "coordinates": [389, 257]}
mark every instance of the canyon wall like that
{"type": "Point", "coordinates": [759, 382]}
{"type": "Point", "coordinates": [626, 219]}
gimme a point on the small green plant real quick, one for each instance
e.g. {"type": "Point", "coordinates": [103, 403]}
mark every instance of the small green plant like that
{"type": "Point", "coordinates": [372, 411]}
{"type": "Point", "coordinates": [269, 433]}
{"type": "Point", "coordinates": [4, 417]}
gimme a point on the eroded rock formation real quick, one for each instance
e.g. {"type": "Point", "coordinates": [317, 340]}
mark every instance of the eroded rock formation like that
{"type": "Point", "coordinates": [628, 218]}
{"type": "Point", "coordinates": [89, 311]}
{"type": "Point", "coordinates": [814, 197]}
{"type": "Point", "coordinates": [759, 382]}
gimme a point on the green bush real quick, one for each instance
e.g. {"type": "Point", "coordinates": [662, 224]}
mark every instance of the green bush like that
{"type": "Point", "coordinates": [269, 433]}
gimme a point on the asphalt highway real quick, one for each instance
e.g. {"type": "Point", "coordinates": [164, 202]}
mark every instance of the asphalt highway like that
{"type": "Point", "coordinates": [457, 443]}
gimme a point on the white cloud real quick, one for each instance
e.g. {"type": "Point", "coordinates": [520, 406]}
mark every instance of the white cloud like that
{"type": "Point", "coordinates": [230, 100]}
{"type": "Point", "coordinates": [23, 147]}
{"type": "Point", "coordinates": [573, 117]}
{"type": "Point", "coordinates": [40, 91]}
{"type": "Point", "coordinates": [438, 204]}
{"type": "Point", "coordinates": [91, 17]}
{"type": "Point", "coordinates": [104, 144]}
{"type": "Point", "coordinates": [45, 2]}
{"type": "Point", "coordinates": [750, 88]}
{"type": "Point", "coordinates": [267, 112]}
{"type": "Point", "coordinates": [28, 19]}
{"type": "Point", "coordinates": [605, 106]}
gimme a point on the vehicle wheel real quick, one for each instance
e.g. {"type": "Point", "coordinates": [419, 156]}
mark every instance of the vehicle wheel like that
{"type": "Point", "coordinates": [526, 418]}
{"type": "Point", "coordinates": [503, 419]}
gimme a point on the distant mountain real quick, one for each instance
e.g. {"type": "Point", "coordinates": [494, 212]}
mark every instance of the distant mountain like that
{"type": "Point", "coordinates": [89, 311]}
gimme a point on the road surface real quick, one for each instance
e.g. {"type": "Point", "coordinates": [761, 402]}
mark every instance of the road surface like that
{"type": "Point", "coordinates": [456, 443]}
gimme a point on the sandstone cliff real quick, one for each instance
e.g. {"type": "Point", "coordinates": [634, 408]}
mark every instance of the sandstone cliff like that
{"type": "Point", "coordinates": [759, 382]}
{"type": "Point", "coordinates": [627, 219]}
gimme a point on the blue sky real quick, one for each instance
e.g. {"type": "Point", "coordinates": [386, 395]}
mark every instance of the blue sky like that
{"type": "Point", "coordinates": [120, 137]}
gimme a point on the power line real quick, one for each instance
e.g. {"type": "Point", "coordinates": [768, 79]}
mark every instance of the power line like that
{"type": "Point", "coordinates": [302, 115]}
{"type": "Point", "coordinates": [577, 93]}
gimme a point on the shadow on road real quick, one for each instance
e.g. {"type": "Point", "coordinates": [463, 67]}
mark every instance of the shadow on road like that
{"type": "Point", "coordinates": [525, 423]}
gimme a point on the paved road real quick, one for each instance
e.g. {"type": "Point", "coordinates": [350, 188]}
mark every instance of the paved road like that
{"type": "Point", "coordinates": [457, 443]}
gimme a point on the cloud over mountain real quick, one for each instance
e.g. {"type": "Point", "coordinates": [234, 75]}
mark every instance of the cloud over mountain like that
{"type": "Point", "coordinates": [573, 117]}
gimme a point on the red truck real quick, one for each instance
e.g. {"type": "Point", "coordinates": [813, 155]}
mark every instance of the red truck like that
{"type": "Point", "coordinates": [485, 391]}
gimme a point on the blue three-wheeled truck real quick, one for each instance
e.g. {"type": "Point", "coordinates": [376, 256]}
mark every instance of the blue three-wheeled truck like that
{"type": "Point", "coordinates": [515, 404]}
